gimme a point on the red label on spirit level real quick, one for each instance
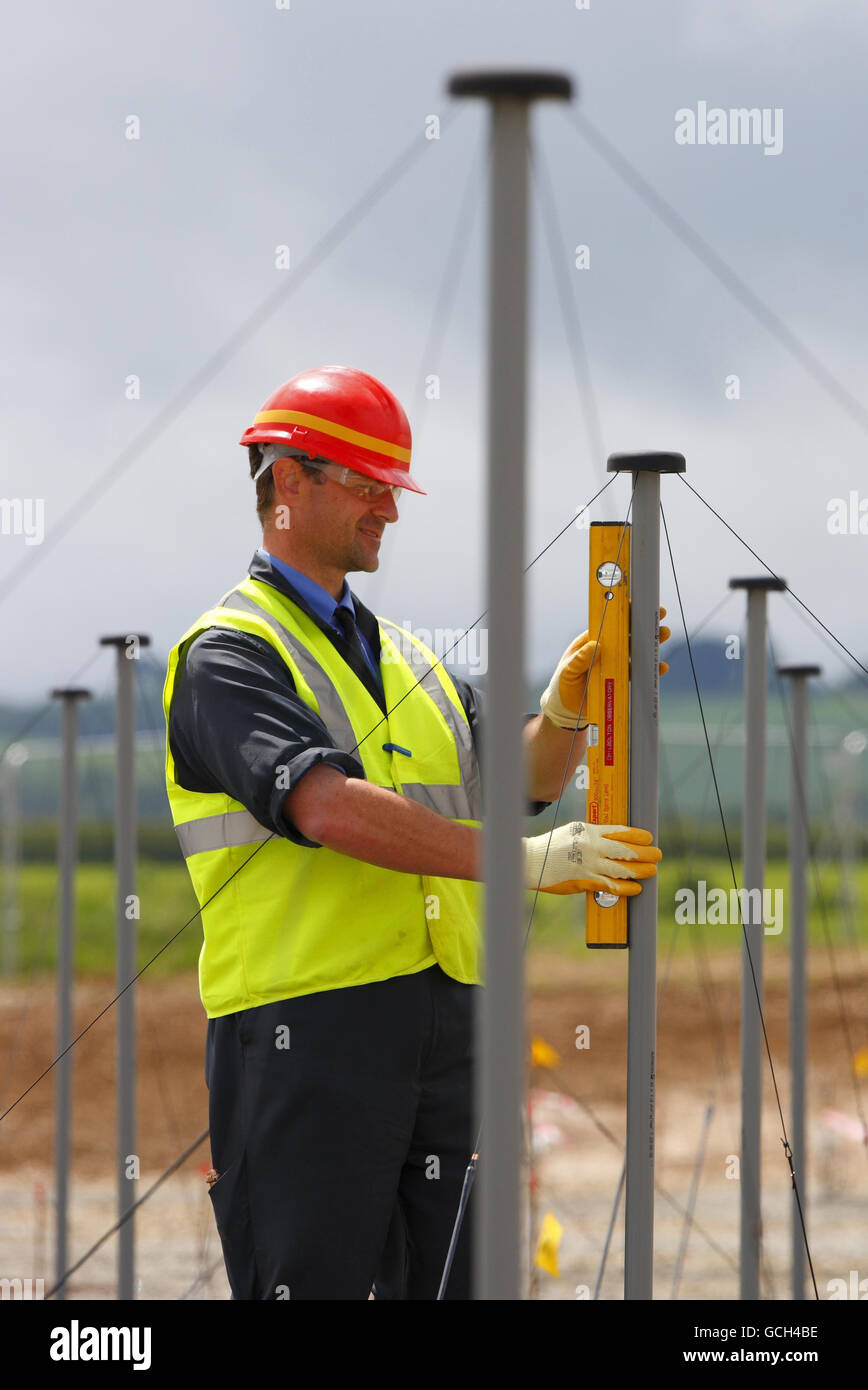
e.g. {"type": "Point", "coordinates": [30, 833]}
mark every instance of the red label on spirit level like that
{"type": "Point", "coordinates": [609, 744]}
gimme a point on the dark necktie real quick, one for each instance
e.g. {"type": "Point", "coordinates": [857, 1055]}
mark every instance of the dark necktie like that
{"type": "Point", "coordinates": [344, 618]}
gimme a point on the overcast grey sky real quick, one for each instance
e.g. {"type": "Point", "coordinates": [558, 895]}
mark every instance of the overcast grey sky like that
{"type": "Point", "coordinates": [260, 127]}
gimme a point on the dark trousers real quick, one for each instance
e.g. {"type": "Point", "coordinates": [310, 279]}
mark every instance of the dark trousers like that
{"type": "Point", "coordinates": [341, 1126]}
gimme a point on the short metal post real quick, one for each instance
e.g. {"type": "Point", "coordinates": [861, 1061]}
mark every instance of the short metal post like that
{"type": "Point", "coordinates": [753, 882]}
{"type": "Point", "coordinates": [67, 861]}
{"type": "Point", "coordinates": [642, 910]}
{"type": "Point", "coordinates": [797, 917]}
{"type": "Point", "coordinates": [127, 648]}
{"type": "Point", "coordinates": [13, 759]}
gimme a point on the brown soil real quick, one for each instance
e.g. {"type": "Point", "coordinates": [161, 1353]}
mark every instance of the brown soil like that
{"type": "Point", "coordinates": [577, 1164]}
{"type": "Point", "coordinates": [698, 1028]}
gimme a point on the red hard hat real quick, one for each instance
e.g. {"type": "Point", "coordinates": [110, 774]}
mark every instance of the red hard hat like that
{"type": "Point", "coordinates": [341, 414]}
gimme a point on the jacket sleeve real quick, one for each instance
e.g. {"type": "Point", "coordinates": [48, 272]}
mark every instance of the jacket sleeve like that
{"type": "Point", "coordinates": [473, 701]}
{"type": "Point", "coordinates": [236, 722]}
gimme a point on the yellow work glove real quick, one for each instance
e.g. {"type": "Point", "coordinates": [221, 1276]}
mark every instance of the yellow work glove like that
{"type": "Point", "coordinates": [580, 858]}
{"type": "Point", "coordinates": [562, 699]}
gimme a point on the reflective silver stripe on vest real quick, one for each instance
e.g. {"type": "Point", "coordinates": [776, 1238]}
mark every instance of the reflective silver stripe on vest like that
{"type": "Point", "coordinates": [220, 832]}
{"type": "Point", "coordinates": [444, 798]}
{"type": "Point", "coordinates": [457, 802]}
{"type": "Point", "coordinates": [331, 707]}
{"type": "Point", "coordinates": [237, 828]}
{"type": "Point", "coordinates": [470, 784]}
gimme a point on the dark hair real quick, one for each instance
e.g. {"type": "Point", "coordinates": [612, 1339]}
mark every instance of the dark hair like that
{"type": "Point", "coordinates": [265, 484]}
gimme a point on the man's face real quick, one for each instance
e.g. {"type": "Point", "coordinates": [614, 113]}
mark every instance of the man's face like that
{"type": "Point", "coordinates": [343, 529]}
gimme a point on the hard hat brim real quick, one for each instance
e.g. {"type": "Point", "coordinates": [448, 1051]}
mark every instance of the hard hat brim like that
{"type": "Point", "coordinates": [339, 451]}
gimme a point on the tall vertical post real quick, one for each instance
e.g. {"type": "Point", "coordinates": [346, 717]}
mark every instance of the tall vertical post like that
{"type": "Point", "coordinates": [13, 760]}
{"type": "Point", "coordinates": [797, 917]}
{"type": "Point", "coordinates": [642, 910]}
{"type": "Point", "coordinates": [846, 820]}
{"type": "Point", "coordinates": [500, 1029]}
{"type": "Point", "coordinates": [67, 859]}
{"type": "Point", "coordinates": [127, 648]}
{"type": "Point", "coordinates": [753, 881]}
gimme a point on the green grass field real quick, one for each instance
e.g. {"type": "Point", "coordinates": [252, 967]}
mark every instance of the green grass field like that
{"type": "Point", "coordinates": [167, 901]}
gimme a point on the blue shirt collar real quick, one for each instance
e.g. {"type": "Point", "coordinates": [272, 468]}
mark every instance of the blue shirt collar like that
{"type": "Point", "coordinates": [318, 598]}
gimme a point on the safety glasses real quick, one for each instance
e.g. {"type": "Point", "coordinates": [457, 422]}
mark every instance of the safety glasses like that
{"type": "Point", "coordinates": [359, 483]}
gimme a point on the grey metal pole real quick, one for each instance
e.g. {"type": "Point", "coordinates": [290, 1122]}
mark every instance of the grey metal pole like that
{"type": "Point", "coordinates": [127, 648]}
{"type": "Point", "coordinates": [846, 817]}
{"type": "Point", "coordinates": [753, 882]}
{"type": "Point", "coordinates": [13, 759]}
{"type": "Point", "coordinates": [67, 859]}
{"type": "Point", "coordinates": [500, 1029]}
{"type": "Point", "coordinates": [642, 910]}
{"type": "Point", "coordinates": [797, 915]}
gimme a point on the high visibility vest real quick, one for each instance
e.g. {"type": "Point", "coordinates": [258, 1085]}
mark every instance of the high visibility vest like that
{"type": "Point", "coordinates": [282, 919]}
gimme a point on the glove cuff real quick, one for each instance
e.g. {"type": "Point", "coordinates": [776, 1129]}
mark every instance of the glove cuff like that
{"type": "Point", "coordinates": [533, 860]}
{"type": "Point", "coordinates": [557, 714]}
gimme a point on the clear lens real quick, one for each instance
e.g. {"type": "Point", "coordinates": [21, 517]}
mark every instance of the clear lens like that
{"type": "Point", "coordinates": [370, 488]}
{"type": "Point", "coordinates": [359, 483]}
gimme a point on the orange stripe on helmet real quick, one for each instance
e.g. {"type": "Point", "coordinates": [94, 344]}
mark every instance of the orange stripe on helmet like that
{"type": "Point", "coordinates": [315, 422]}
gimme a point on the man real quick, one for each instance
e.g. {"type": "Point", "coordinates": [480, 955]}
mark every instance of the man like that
{"type": "Point", "coordinates": [323, 775]}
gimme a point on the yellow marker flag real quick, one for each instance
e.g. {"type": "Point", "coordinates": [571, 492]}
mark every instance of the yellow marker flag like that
{"type": "Point", "coordinates": [541, 1055]}
{"type": "Point", "coordinates": [860, 1062]}
{"type": "Point", "coordinates": [547, 1245]}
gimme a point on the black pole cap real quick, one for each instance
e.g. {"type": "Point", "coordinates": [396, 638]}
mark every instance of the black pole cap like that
{"type": "Point", "coordinates": [799, 670]}
{"type": "Point", "coordinates": [519, 84]}
{"type": "Point", "coordinates": [768, 582]}
{"type": "Point", "coordinates": [646, 463]}
{"type": "Point", "coordinates": [71, 692]}
{"type": "Point", "coordinates": [124, 638]}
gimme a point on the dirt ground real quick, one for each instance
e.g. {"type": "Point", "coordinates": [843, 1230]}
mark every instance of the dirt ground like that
{"type": "Point", "coordinates": [578, 1127]}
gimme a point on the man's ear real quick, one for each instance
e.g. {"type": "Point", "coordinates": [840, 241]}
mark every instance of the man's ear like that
{"type": "Point", "coordinates": [287, 476]}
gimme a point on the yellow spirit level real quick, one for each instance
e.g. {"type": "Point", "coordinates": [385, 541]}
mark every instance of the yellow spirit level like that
{"type": "Point", "coordinates": [608, 708]}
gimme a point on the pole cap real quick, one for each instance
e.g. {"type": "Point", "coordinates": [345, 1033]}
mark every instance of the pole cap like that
{"type": "Point", "coordinates": [71, 692]}
{"type": "Point", "coordinates": [125, 637]}
{"type": "Point", "coordinates": [519, 84]}
{"type": "Point", "coordinates": [646, 463]}
{"type": "Point", "coordinates": [770, 583]}
{"type": "Point", "coordinates": [799, 670]}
